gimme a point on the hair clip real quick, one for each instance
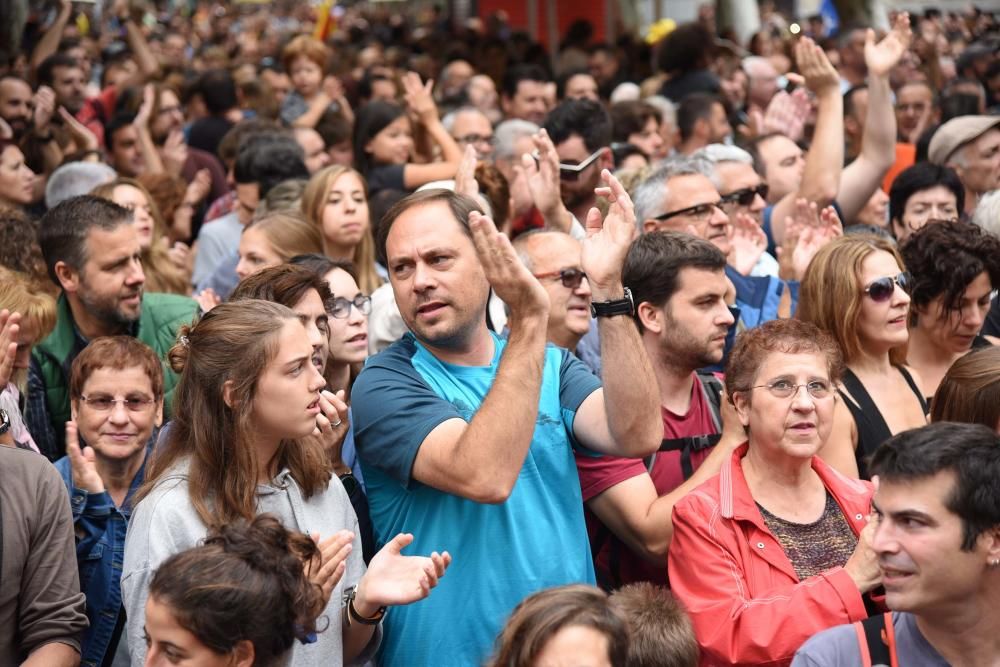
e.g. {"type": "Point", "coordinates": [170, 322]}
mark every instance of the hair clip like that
{"type": "Point", "coordinates": [303, 636]}
{"type": "Point", "coordinates": [185, 341]}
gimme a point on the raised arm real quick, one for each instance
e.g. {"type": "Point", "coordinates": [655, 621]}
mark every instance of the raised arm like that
{"type": "Point", "coordinates": [622, 419]}
{"type": "Point", "coordinates": [49, 43]}
{"type": "Point", "coordinates": [824, 160]}
{"type": "Point", "coordinates": [878, 144]}
{"type": "Point", "coordinates": [421, 102]}
{"type": "Point", "coordinates": [149, 66]}
{"type": "Point", "coordinates": [482, 458]}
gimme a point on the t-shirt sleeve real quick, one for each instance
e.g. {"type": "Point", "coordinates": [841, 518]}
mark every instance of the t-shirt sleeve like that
{"type": "Point", "coordinates": [386, 177]}
{"type": "Point", "coordinates": [394, 410]}
{"type": "Point", "coordinates": [576, 383]}
{"type": "Point", "coordinates": [600, 473]}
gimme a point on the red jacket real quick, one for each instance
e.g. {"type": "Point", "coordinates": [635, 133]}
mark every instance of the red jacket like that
{"type": "Point", "coordinates": [747, 605]}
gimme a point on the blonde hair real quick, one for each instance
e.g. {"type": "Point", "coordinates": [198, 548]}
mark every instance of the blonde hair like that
{"type": "Point", "coordinates": [305, 46]}
{"type": "Point", "coordinates": [831, 292]}
{"type": "Point", "coordinates": [19, 293]}
{"type": "Point", "coordinates": [314, 202]}
{"type": "Point", "coordinates": [289, 234]}
{"type": "Point", "coordinates": [162, 275]}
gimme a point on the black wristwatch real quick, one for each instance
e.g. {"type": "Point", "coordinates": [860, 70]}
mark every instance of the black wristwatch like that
{"type": "Point", "coordinates": [623, 306]}
{"type": "Point", "coordinates": [4, 422]}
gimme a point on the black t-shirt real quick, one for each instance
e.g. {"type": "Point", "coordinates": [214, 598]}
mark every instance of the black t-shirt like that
{"type": "Point", "coordinates": [991, 327]}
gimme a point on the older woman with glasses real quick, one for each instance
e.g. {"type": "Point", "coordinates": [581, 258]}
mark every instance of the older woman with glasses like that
{"type": "Point", "coordinates": [856, 290]}
{"type": "Point", "coordinates": [775, 547]}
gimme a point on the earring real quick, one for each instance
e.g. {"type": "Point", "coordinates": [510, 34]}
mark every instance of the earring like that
{"type": "Point", "coordinates": [995, 562]}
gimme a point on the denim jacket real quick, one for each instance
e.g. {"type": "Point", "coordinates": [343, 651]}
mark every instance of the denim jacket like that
{"type": "Point", "coordinates": [100, 551]}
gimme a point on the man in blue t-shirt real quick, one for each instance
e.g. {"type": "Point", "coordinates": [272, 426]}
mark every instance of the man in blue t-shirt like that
{"type": "Point", "coordinates": [466, 439]}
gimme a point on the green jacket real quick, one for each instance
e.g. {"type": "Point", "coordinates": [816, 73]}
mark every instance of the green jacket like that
{"type": "Point", "coordinates": [162, 315]}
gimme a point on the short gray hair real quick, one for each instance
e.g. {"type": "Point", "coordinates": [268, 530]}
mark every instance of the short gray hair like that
{"type": "Point", "coordinates": [668, 110]}
{"type": "Point", "coordinates": [449, 118]}
{"type": "Point", "coordinates": [715, 154]}
{"type": "Point", "coordinates": [651, 194]}
{"type": "Point", "coordinates": [522, 241]}
{"type": "Point", "coordinates": [987, 214]}
{"type": "Point", "coordinates": [507, 133]}
{"type": "Point", "coordinates": [74, 179]}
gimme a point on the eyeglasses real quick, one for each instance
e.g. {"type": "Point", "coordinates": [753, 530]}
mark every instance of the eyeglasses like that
{"type": "Point", "coordinates": [571, 172]}
{"type": "Point", "coordinates": [570, 278]}
{"type": "Point", "coordinates": [786, 389]}
{"type": "Point", "coordinates": [882, 289]}
{"type": "Point", "coordinates": [476, 139]}
{"type": "Point", "coordinates": [745, 196]}
{"type": "Point", "coordinates": [342, 307]}
{"type": "Point", "coordinates": [698, 212]}
{"type": "Point", "coordinates": [106, 403]}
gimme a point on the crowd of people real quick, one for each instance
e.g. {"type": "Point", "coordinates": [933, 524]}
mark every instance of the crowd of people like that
{"type": "Point", "coordinates": [365, 336]}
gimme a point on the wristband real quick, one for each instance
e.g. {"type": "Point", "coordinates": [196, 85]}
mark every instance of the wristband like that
{"type": "Point", "coordinates": [352, 612]}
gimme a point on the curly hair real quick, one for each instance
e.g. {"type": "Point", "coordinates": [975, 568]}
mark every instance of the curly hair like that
{"type": "Point", "coordinates": [245, 583]}
{"type": "Point", "coordinates": [944, 258]}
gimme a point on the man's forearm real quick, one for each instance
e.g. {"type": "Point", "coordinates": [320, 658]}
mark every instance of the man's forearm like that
{"type": "Point", "coordinates": [821, 175]}
{"type": "Point", "coordinates": [878, 143]}
{"type": "Point", "coordinates": [498, 437]}
{"type": "Point", "coordinates": [631, 395]}
{"type": "Point", "coordinates": [53, 654]}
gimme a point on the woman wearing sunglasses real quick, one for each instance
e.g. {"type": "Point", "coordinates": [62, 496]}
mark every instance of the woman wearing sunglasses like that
{"type": "Point", "coordinates": [855, 289]}
{"type": "Point", "coordinates": [955, 267]}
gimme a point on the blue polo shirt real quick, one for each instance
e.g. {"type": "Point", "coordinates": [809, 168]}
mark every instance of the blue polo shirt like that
{"type": "Point", "coordinates": [502, 553]}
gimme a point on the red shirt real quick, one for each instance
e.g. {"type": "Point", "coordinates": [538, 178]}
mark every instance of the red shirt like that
{"type": "Point", "coordinates": [615, 563]}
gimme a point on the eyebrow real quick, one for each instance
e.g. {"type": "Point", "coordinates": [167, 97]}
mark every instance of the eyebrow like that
{"type": "Point", "coordinates": [905, 513]}
{"type": "Point", "coordinates": [299, 360]}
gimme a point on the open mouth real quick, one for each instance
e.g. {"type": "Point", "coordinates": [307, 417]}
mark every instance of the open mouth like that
{"type": "Point", "coordinates": [313, 408]}
{"type": "Point", "coordinates": [361, 338]}
{"type": "Point", "coordinates": [317, 361]}
{"type": "Point", "coordinates": [429, 309]}
{"type": "Point", "coordinates": [803, 427]}
{"type": "Point", "coordinates": [892, 576]}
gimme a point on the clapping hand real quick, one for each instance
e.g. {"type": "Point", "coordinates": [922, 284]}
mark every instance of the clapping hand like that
{"type": "Point", "coordinates": [508, 276]}
{"type": "Point", "coordinates": [83, 462]}
{"type": "Point", "coordinates": [395, 579]}
{"type": "Point", "coordinates": [748, 243]}
{"type": "Point", "coordinates": [330, 564]}
{"type": "Point", "coordinates": [542, 176]}
{"type": "Point", "coordinates": [608, 240]}
{"type": "Point", "coordinates": [10, 326]}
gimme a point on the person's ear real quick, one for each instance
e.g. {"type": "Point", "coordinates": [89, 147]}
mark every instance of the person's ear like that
{"type": "Point", "coordinates": [991, 538]}
{"type": "Point", "coordinates": [741, 402]}
{"type": "Point", "coordinates": [701, 128]}
{"type": "Point", "coordinates": [158, 417]}
{"type": "Point", "coordinates": [651, 317]}
{"type": "Point", "coordinates": [227, 394]}
{"type": "Point", "coordinates": [243, 653]}
{"type": "Point", "coordinates": [606, 160]}
{"type": "Point", "coordinates": [67, 277]}
{"type": "Point", "coordinates": [650, 226]}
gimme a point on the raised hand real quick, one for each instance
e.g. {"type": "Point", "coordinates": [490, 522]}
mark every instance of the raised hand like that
{"type": "Point", "coordinates": [395, 579]}
{"type": "Point", "coordinates": [207, 299]}
{"type": "Point", "coordinates": [787, 114]}
{"type": "Point", "coordinates": [145, 111]}
{"type": "Point", "coordinates": [174, 152]}
{"type": "Point", "coordinates": [82, 136]}
{"type": "Point", "coordinates": [608, 240]}
{"type": "Point", "coordinates": [748, 243]}
{"type": "Point", "coordinates": [198, 188]}
{"type": "Point", "coordinates": [512, 282]}
{"type": "Point", "coordinates": [882, 57]}
{"type": "Point", "coordinates": [45, 108]}
{"type": "Point", "coordinates": [817, 71]}
{"type": "Point", "coordinates": [83, 462]}
{"type": "Point", "coordinates": [179, 255]}
{"type": "Point", "coordinates": [419, 97]}
{"type": "Point", "coordinates": [10, 326]}
{"type": "Point", "coordinates": [465, 177]}
{"type": "Point", "coordinates": [329, 566]}
{"type": "Point", "coordinates": [542, 176]}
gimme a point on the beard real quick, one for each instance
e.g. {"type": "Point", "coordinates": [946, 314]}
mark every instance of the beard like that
{"type": "Point", "coordinates": [684, 350]}
{"type": "Point", "coordinates": [108, 309]}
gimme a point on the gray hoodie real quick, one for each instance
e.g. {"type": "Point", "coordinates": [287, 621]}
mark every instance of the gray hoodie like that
{"type": "Point", "coordinates": [165, 523]}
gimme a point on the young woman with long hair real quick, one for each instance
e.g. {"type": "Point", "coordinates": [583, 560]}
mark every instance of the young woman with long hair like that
{"type": "Point", "coordinates": [248, 397]}
{"type": "Point", "coordinates": [335, 201]}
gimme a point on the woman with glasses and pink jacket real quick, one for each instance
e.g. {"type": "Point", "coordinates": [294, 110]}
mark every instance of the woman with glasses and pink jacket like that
{"type": "Point", "coordinates": [857, 290]}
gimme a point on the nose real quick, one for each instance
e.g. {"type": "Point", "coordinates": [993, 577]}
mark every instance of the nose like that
{"type": "Point", "coordinates": [975, 316]}
{"type": "Point", "coordinates": [719, 217]}
{"type": "Point", "coordinates": [726, 317]}
{"type": "Point", "coordinates": [119, 413]}
{"type": "Point", "coordinates": [316, 381]}
{"type": "Point", "coordinates": [242, 270]}
{"type": "Point", "coordinates": [423, 277]}
{"type": "Point", "coordinates": [802, 399]}
{"type": "Point", "coordinates": [883, 539]}
{"type": "Point", "coordinates": [583, 289]}
{"type": "Point", "coordinates": [136, 275]}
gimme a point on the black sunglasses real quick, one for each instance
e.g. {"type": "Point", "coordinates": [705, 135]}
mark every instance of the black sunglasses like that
{"type": "Point", "coordinates": [745, 196]}
{"type": "Point", "coordinates": [700, 212]}
{"type": "Point", "coordinates": [570, 278]}
{"type": "Point", "coordinates": [883, 288]}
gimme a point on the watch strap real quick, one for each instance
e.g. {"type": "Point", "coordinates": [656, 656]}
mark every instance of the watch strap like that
{"type": "Point", "coordinates": [623, 306]}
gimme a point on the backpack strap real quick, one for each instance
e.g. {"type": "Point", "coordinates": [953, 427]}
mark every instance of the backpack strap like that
{"type": "Point", "coordinates": [877, 640]}
{"type": "Point", "coordinates": [711, 389]}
